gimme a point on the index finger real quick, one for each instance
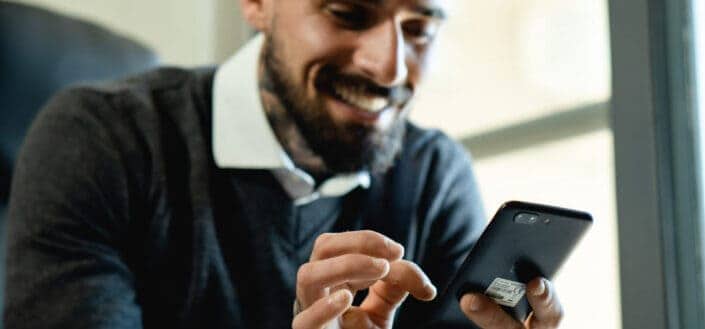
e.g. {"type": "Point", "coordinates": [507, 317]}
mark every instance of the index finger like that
{"type": "Point", "coordinates": [408, 276]}
{"type": "Point", "coordinates": [386, 295]}
{"type": "Point", "coordinates": [367, 242]}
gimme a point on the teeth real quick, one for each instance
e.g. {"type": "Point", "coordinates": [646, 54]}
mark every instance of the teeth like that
{"type": "Point", "coordinates": [357, 97]}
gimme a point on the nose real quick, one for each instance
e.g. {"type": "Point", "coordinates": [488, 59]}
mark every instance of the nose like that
{"type": "Point", "coordinates": [381, 54]}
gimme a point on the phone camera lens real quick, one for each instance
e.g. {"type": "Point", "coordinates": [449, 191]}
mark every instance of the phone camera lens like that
{"type": "Point", "coordinates": [526, 218]}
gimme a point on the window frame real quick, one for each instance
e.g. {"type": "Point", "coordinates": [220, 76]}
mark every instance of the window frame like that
{"type": "Point", "coordinates": [654, 121]}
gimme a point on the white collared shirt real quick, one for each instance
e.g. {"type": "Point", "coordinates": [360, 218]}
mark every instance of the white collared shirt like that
{"type": "Point", "coordinates": [244, 139]}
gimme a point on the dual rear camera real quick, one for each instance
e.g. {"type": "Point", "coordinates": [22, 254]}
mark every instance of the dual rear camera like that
{"type": "Point", "coordinates": [528, 218]}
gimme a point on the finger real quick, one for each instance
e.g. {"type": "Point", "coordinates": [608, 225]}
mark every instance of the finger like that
{"type": "Point", "coordinates": [323, 311]}
{"type": "Point", "coordinates": [356, 318]}
{"type": "Point", "coordinates": [382, 302]}
{"type": "Point", "coordinates": [486, 313]}
{"type": "Point", "coordinates": [315, 277]}
{"type": "Point", "coordinates": [355, 286]}
{"type": "Point", "coordinates": [386, 295]}
{"type": "Point", "coordinates": [542, 297]}
{"type": "Point", "coordinates": [409, 277]}
{"type": "Point", "coordinates": [369, 243]}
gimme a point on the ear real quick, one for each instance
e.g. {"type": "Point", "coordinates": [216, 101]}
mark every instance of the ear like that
{"type": "Point", "coordinates": [255, 12]}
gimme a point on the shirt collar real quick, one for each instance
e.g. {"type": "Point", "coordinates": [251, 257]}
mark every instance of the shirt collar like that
{"type": "Point", "coordinates": [243, 138]}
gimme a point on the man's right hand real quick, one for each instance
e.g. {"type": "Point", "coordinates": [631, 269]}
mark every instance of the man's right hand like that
{"type": "Point", "coordinates": [342, 264]}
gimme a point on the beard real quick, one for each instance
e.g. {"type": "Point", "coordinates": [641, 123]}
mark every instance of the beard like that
{"type": "Point", "coordinates": [344, 147]}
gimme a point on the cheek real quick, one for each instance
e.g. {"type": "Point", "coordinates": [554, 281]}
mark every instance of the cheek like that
{"type": "Point", "coordinates": [419, 64]}
{"type": "Point", "coordinates": [311, 43]}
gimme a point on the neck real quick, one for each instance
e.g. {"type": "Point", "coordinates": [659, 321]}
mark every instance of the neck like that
{"type": "Point", "coordinates": [287, 132]}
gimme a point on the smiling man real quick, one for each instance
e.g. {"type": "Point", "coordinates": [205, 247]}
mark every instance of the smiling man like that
{"type": "Point", "coordinates": [288, 176]}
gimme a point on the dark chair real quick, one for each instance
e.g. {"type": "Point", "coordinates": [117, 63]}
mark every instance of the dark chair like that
{"type": "Point", "coordinates": [40, 53]}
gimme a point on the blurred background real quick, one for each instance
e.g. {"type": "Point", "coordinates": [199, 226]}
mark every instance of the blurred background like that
{"type": "Point", "coordinates": [526, 86]}
{"type": "Point", "coordinates": [507, 73]}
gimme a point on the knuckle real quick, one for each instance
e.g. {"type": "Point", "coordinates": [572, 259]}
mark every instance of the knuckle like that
{"type": "Point", "coordinates": [412, 267]}
{"type": "Point", "coordinates": [410, 270]}
{"type": "Point", "coordinates": [370, 237]}
{"type": "Point", "coordinates": [304, 275]}
{"type": "Point", "coordinates": [322, 241]}
{"type": "Point", "coordinates": [369, 233]}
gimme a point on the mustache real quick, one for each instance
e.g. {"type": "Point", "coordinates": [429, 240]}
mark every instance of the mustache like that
{"type": "Point", "coordinates": [330, 76]}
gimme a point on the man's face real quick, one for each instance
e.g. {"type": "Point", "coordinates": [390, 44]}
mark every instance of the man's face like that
{"type": "Point", "coordinates": [346, 72]}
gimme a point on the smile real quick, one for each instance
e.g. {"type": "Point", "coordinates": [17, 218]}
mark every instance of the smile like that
{"type": "Point", "coordinates": [358, 97]}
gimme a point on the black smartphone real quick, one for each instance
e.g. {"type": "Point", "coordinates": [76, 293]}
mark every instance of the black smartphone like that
{"type": "Point", "coordinates": [522, 241]}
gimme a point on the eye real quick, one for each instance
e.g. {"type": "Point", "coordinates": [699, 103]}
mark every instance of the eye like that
{"type": "Point", "coordinates": [350, 15]}
{"type": "Point", "coordinates": [420, 31]}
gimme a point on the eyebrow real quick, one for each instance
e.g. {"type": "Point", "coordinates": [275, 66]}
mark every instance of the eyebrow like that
{"type": "Point", "coordinates": [437, 13]}
{"type": "Point", "coordinates": [432, 12]}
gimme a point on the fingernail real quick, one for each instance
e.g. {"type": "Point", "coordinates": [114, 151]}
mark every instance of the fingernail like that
{"type": "Point", "coordinates": [380, 263]}
{"type": "Point", "coordinates": [540, 288]}
{"type": "Point", "coordinates": [475, 303]}
{"type": "Point", "coordinates": [349, 317]}
{"type": "Point", "coordinates": [340, 297]}
{"type": "Point", "coordinates": [388, 242]}
{"type": "Point", "coordinates": [353, 320]}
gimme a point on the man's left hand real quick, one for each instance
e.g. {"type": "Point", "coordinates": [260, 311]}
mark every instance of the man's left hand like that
{"type": "Point", "coordinates": [542, 297]}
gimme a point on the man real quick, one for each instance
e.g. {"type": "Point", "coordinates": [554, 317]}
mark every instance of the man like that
{"type": "Point", "coordinates": [124, 213]}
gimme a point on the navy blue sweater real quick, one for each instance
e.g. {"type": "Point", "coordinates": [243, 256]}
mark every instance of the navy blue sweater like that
{"type": "Point", "coordinates": [119, 217]}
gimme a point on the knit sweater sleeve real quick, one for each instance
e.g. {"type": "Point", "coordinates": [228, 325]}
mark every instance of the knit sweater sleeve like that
{"type": "Point", "coordinates": [67, 223]}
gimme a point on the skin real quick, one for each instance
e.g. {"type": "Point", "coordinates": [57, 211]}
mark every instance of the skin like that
{"type": "Point", "coordinates": [299, 67]}
{"type": "Point", "coordinates": [307, 41]}
{"type": "Point", "coordinates": [286, 130]}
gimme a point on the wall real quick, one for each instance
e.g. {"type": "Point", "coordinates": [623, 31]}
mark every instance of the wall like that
{"type": "Point", "coordinates": [184, 32]}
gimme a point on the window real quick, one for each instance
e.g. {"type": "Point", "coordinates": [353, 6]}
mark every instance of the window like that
{"type": "Point", "coordinates": [658, 162]}
{"type": "Point", "coordinates": [526, 85]}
